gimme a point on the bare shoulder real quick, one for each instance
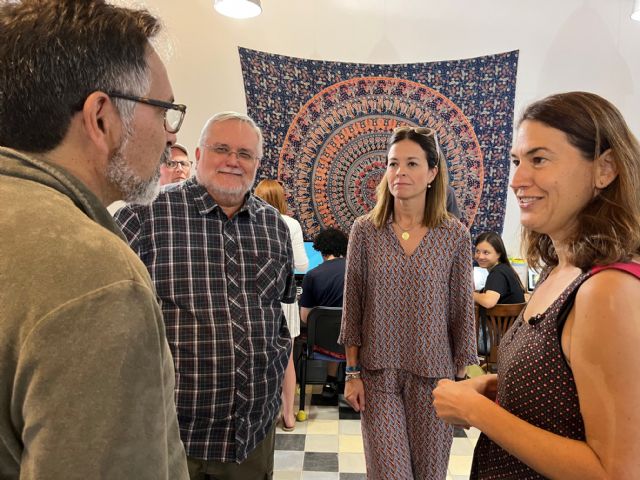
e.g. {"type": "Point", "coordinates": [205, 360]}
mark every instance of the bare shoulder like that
{"type": "Point", "coordinates": [610, 286]}
{"type": "Point", "coordinates": [604, 357]}
{"type": "Point", "coordinates": [609, 303]}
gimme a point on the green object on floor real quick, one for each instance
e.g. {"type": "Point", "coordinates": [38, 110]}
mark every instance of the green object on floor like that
{"type": "Point", "coordinates": [474, 371]}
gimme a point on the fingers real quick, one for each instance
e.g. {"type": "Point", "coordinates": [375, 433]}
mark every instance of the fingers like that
{"type": "Point", "coordinates": [354, 395]}
{"type": "Point", "coordinates": [353, 401]}
{"type": "Point", "coordinates": [362, 401]}
{"type": "Point", "coordinates": [444, 381]}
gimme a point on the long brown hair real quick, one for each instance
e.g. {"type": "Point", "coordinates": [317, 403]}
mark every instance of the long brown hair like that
{"type": "Point", "coordinates": [272, 192]}
{"type": "Point", "coordinates": [608, 227]}
{"type": "Point", "coordinates": [435, 211]}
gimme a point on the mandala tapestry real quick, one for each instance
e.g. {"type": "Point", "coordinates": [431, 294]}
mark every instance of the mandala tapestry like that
{"type": "Point", "coordinates": [326, 126]}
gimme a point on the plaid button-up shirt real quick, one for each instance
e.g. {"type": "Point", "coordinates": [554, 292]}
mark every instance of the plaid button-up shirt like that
{"type": "Point", "coordinates": [220, 282]}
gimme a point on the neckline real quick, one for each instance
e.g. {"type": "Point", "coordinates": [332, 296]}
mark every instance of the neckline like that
{"type": "Point", "coordinates": [542, 316]}
{"type": "Point", "coordinates": [399, 243]}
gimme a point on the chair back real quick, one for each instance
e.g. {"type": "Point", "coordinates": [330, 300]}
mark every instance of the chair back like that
{"type": "Point", "coordinates": [498, 320]}
{"type": "Point", "coordinates": [323, 329]}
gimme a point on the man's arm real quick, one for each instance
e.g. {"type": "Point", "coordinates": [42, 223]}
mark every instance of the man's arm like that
{"type": "Point", "coordinates": [94, 388]}
{"type": "Point", "coordinates": [129, 222]}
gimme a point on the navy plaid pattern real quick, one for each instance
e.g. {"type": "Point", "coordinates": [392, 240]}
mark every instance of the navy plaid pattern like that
{"type": "Point", "coordinates": [220, 282]}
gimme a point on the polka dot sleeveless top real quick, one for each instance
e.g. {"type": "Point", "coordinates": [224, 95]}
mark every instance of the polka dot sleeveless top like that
{"type": "Point", "coordinates": [535, 384]}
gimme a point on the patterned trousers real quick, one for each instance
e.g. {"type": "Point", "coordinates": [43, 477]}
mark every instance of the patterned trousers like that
{"type": "Point", "coordinates": [403, 437]}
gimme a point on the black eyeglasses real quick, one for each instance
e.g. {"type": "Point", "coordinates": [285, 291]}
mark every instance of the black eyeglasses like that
{"type": "Point", "coordinates": [173, 113]}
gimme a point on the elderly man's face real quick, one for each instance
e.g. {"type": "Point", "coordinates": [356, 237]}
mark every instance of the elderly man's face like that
{"type": "Point", "coordinates": [228, 160]}
{"type": "Point", "coordinates": [177, 169]}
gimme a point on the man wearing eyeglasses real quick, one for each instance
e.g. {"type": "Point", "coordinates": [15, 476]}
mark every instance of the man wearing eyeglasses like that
{"type": "Point", "coordinates": [177, 168]}
{"type": "Point", "coordinates": [222, 263]}
{"type": "Point", "coordinates": [86, 373]}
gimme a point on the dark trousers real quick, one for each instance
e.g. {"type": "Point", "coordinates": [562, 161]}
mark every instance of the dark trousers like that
{"type": "Point", "coordinates": [257, 466]}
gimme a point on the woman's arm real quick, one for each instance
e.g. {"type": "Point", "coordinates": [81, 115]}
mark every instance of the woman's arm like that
{"type": "Point", "coordinates": [604, 353]}
{"type": "Point", "coordinates": [495, 286]}
{"type": "Point", "coordinates": [461, 310]}
{"type": "Point", "coordinates": [488, 299]}
{"type": "Point", "coordinates": [603, 349]}
{"type": "Point", "coordinates": [300, 260]}
{"type": "Point", "coordinates": [354, 288]}
{"type": "Point", "coordinates": [354, 389]}
{"type": "Point", "coordinates": [353, 310]}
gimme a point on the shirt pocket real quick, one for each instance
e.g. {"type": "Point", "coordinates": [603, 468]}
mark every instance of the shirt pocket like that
{"type": "Point", "coordinates": [270, 278]}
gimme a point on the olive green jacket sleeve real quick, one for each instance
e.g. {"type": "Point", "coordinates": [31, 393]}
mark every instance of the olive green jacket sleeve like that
{"type": "Point", "coordinates": [75, 386]}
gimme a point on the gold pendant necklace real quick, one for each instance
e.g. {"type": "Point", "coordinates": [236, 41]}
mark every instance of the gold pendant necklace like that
{"type": "Point", "coordinates": [405, 233]}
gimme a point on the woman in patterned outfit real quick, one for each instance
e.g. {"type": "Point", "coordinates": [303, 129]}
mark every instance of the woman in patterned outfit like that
{"type": "Point", "coordinates": [567, 388]}
{"type": "Point", "coordinates": [408, 316]}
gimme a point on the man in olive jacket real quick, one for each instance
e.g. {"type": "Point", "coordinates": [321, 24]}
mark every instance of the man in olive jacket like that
{"type": "Point", "coordinates": [86, 376]}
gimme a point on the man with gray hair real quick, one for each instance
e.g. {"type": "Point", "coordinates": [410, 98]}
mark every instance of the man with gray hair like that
{"type": "Point", "coordinates": [86, 373]}
{"type": "Point", "coordinates": [222, 262]}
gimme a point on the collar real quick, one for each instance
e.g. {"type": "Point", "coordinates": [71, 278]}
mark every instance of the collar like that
{"type": "Point", "coordinates": [18, 164]}
{"type": "Point", "coordinates": [206, 204]}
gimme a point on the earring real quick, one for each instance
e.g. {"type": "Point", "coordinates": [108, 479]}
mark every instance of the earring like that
{"type": "Point", "coordinates": [428, 185]}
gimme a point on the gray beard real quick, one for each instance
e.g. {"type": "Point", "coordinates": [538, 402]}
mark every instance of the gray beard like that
{"type": "Point", "coordinates": [226, 196]}
{"type": "Point", "coordinates": [134, 188]}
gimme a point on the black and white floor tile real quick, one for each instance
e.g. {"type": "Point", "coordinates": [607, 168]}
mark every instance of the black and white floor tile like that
{"type": "Point", "coordinates": [328, 445]}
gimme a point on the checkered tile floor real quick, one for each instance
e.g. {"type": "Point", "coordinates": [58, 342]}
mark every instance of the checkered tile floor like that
{"type": "Point", "coordinates": [328, 445]}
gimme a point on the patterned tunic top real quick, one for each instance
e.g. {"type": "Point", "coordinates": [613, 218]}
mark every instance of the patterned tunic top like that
{"type": "Point", "coordinates": [413, 313]}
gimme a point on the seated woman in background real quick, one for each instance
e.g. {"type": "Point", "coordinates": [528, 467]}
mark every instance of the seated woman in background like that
{"type": "Point", "coordinates": [503, 284]}
{"type": "Point", "coordinates": [272, 192]}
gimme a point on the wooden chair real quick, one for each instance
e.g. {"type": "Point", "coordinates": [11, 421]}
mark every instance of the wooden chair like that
{"type": "Point", "coordinates": [497, 321]}
{"type": "Point", "coordinates": [323, 329]}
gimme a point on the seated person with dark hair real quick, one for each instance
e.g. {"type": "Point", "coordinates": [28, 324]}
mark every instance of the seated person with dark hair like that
{"type": "Point", "coordinates": [503, 284]}
{"type": "Point", "coordinates": [323, 287]}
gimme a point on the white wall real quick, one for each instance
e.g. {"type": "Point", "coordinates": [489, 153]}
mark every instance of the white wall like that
{"type": "Point", "coordinates": [564, 45]}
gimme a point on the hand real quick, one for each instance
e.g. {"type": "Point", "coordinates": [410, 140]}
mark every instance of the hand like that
{"type": "Point", "coordinates": [354, 394]}
{"type": "Point", "coordinates": [453, 400]}
{"type": "Point", "coordinates": [486, 385]}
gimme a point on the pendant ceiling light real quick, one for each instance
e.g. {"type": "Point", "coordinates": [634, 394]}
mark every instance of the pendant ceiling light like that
{"type": "Point", "coordinates": [635, 14]}
{"type": "Point", "coordinates": [238, 8]}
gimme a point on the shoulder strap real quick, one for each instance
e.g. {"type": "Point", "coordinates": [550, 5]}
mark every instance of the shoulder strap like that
{"type": "Point", "coordinates": [629, 267]}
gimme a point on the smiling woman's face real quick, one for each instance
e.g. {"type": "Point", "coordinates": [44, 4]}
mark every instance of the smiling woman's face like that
{"type": "Point", "coordinates": [552, 180]}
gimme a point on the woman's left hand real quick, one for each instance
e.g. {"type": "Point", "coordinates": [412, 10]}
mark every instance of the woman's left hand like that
{"type": "Point", "coordinates": [452, 401]}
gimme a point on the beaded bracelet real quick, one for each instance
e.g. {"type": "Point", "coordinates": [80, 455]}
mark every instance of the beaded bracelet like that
{"type": "Point", "coordinates": [354, 369]}
{"type": "Point", "coordinates": [352, 376]}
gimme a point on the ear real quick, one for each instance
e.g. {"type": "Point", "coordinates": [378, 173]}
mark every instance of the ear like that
{"type": "Point", "coordinates": [198, 153]}
{"type": "Point", "coordinates": [101, 122]}
{"type": "Point", "coordinates": [433, 172]}
{"type": "Point", "coordinates": [606, 170]}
